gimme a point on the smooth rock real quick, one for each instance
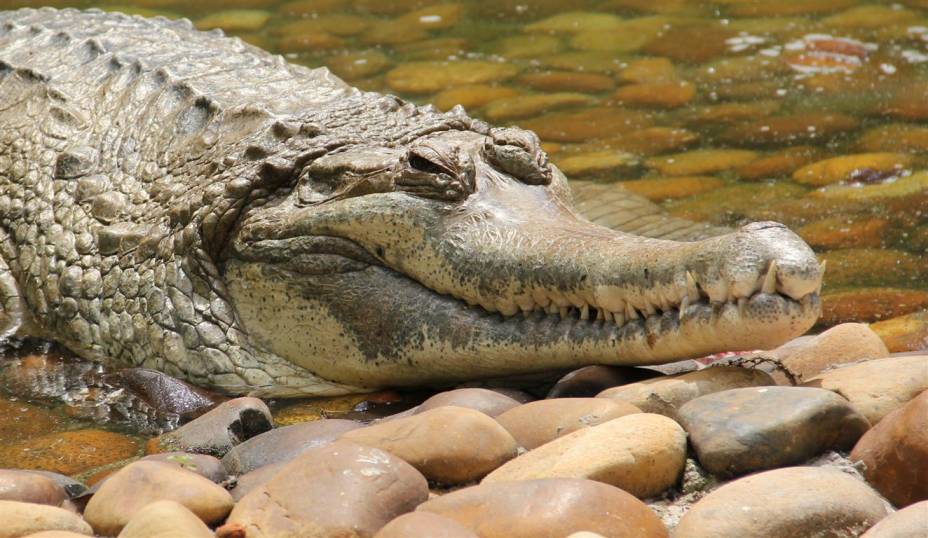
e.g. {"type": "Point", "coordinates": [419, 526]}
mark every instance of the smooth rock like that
{"type": "Point", "coordinates": [56, 534]}
{"type": "Point", "coordinates": [472, 96]}
{"type": "Point", "coordinates": [910, 522]}
{"type": "Point", "coordinates": [29, 487]}
{"type": "Point", "coordinates": [513, 108]}
{"type": "Point", "coordinates": [581, 125]}
{"type": "Point", "coordinates": [870, 304]}
{"type": "Point", "coordinates": [649, 141]}
{"type": "Point", "coordinates": [252, 479]}
{"type": "Point", "coordinates": [703, 161]}
{"type": "Point", "coordinates": [778, 164]}
{"type": "Point", "coordinates": [547, 508]}
{"type": "Point", "coordinates": [136, 485]}
{"type": "Point", "coordinates": [357, 65]}
{"type": "Point", "coordinates": [843, 232]}
{"type": "Point", "coordinates": [743, 430]}
{"type": "Point", "coordinates": [648, 70]}
{"type": "Point", "coordinates": [68, 452]}
{"type": "Point", "coordinates": [597, 163]}
{"type": "Point", "coordinates": [73, 488]}
{"type": "Point", "coordinates": [904, 333]}
{"type": "Point", "coordinates": [235, 20]}
{"type": "Point", "coordinates": [340, 489]}
{"type": "Point", "coordinates": [852, 168]}
{"type": "Point", "coordinates": [534, 424]}
{"type": "Point", "coordinates": [284, 444]}
{"type": "Point", "coordinates": [665, 395]}
{"type": "Point", "coordinates": [877, 387]}
{"type": "Point", "coordinates": [895, 453]}
{"type": "Point", "coordinates": [528, 46]}
{"type": "Point", "coordinates": [217, 431]}
{"type": "Point", "coordinates": [566, 81]}
{"type": "Point", "coordinates": [895, 137]}
{"type": "Point", "coordinates": [809, 127]}
{"type": "Point", "coordinates": [854, 267]}
{"type": "Point", "coordinates": [424, 525]}
{"type": "Point", "coordinates": [660, 189]}
{"type": "Point", "coordinates": [691, 43]}
{"type": "Point", "coordinates": [575, 22]}
{"type": "Point", "coordinates": [591, 380]}
{"type": "Point", "coordinates": [845, 343]}
{"type": "Point", "coordinates": [489, 402]}
{"type": "Point", "coordinates": [21, 519]}
{"type": "Point", "coordinates": [205, 466]}
{"type": "Point", "coordinates": [656, 94]}
{"type": "Point", "coordinates": [449, 445]}
{"type": "Point", "coordinates": [641, 453]}
{"type": "Point", "coordinates": [733, 203]}
{"type": "Point", "coordinates": [785, 503]}
{"type": "Point", "coordinates": [428, 77]}
{"type": "Point", "coordinates": [165, 519]}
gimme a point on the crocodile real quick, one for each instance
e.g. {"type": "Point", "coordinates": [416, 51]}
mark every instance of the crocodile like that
{"type": "Point", "coordinates": [183, 201]}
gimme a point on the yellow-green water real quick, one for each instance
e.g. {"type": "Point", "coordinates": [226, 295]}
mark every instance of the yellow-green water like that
{"type": "Point", "coordinates": [717, 110]}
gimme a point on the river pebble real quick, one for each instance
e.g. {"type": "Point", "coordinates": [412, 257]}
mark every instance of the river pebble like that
{"type": "Point", "coordinates": [21, 519]}
{"type": "Point", "coordinates": [536, 423]}
{"type": "Point", "coordinates": [235, 20]}
{"type": "Point", "coordinates": [656, 94]}
{"type": "Point", "coordinates": [424, 524]}
{"type": "Point", "coordinates": [575, 22]}
{"type": "Point", "coordinates": [870, 304]}
{"type": "Point", "coordinates": [488, 402]}
{"type": "Point", "coordinates": [910, 522]}
{"type": "Point", "coordinates": [512, 108]}
{"type": "Point", "coordinates": [665, 395]}
{"type": "Point", "coordinates": [904, 333]}
{"type": "Point", "coordinates": [340, 489]}
{"type": "Point", "coordinates": [744, 430]}
{"type": "Point", "coordinates": [845, 232]}
{"type": "Point", "coordinates": [591, 380]}
{"type": "Point", "coordinates": [566, 81]}
{"type": "Point", "coordinates": [283, 444]}
{"type": "Point", "coordinates": [136, 485]}
{"type": "Point", "coordinates": [429, 77]}
{"type": "Point", "coordinates": [596, 163]}
{"type": "Point", "coordinates": [217, 431]}
{"type": "Point", "coordinates": [845, 343]}
{"type": "Point", "coordinates": [201, 464]}
{"type": "Point", "coordinates": [705, 161]}
{"type": "Point", "coordinates": [877, 387]}
{"type": "Point", "coordinates": [165, 519]}
{"type": "Point", "coordinates": [895, 453]}
{"type": "Point", "coordinates": [785, 503]}
{"type": "Point", "coordinates": [449, 445]}
{"type": "Point", "coordinates": [860, 167]}
{"type": "Point", "coordinates": [547, 508]}
{"type": "Point", "coordinates": [669, 188]}
{"type": "Point", "coordinates": [28, 487]}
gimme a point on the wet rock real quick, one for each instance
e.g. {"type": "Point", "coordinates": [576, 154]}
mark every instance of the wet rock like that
{"type": "Point", "coordinates": [434, 17]}
{"type": "Point", "coordinates": [909, 191]}
{"type": "Point", "coordinates": [733, 112]}
{"type": "Point", "coordinates": [640, 453]}
{"type": "Point", "coordinates": [845, 343]}
{"type": "Point", "coordinates": [547, 508]}
{"type": "Point", "coordinates": [785, 503]}
{"type": "Point", "coordinates": [648, 70]}
{"type": "Point", "coordinates": [138, 484]}
{"type": "Point", "coordinates": [586, 61]}
{"type": "Point", "coordinates": [778, 164]}
{"type": "Point", "coordinates": [575, 22]}
{"type": "Point", "coordinates": [284, 444]}
{"type": "Point", "coordinates": [429, 77]}
{"type": "Point", "coordinates": [910, 522]}
{"type": "Point", "coordinates": [356, 65]}
{"type": "Point", "coordinates": [472, 96]}
{"type": "Point", "coordinates": [165, 519]}
{"type": "Point", "coordinates": [786, 8]}
{"type": "Point", "coordinates": [691, 44]}
{"type": "Point", "coordinates": [596, 163]}
{"type": "Point", "coordinates": [874, 267]}
{"type": "Point", "coordinates": [665, 395]}
{"type": "Point", "coordinates": [313, 409]}
{"type": "Point", "coordinates": [877, 387]}
{"type": "Point", "coordinates": [393, 33]}
{"type": "Point", "coordinates": [72, 488]}
{"type": "Point", "coordinates": [789, 129]}
{"type": "Point", "coordinates": [752, 429]}
{"type": "Point", "coordinates": [577, 126]}
{"type": "Point", "coordinates": [512, 108]}
{"type": "Point", "coordinates": [591, 380]}
{"type": "Point", "coordinates": [734, 203]}
{"type": "Point", "coordinates": [706, 161]}
{"type": "Point", "coordinates": [528, 46]}
{"type": "Point", "coordinates": [56, 534]}
{"type": "Point", "coordinates": [165, 393]}
{"type": "Point", "coordinates": [870, 304]}
{"type": "Point", "coordinates": [341, 489]}
{"type": "Point", "coordinates": [894, 137]}
{"type": "Point", "coordinates": [895, 452]}
{"type": "Point", "coordinates": [217, 431]}
{"type": "Point", "coordinates": [314, 42]}
{"type": "Point", "coordinates": [870, 16]}
{"type": "Point", "coordinates": [668, 188]}
{"type": "Point", "coordinates": [307, 8]}
{"type": "Point", "coordinates": [566, 81]}
{"type": "Point", "coordinates": [852, 168]}
{"type": "Point", "coordinates": [201, 464]}
{"type": "Point", "coordinates": [21, 519]}
{"type": "Point", "coordinates": [28, 487]}
{"type": "Point", "coordinates": [656, 94]}
{"type": "Point", "coordinates": [252, 479]}
{"type": "Point", "coordinates": [534, 424]}
{"type": "Point", "coordinates": [488, 402]}
{"type": "Point", "coordinates": [424, 524]}
{"type": "Point", "coordinates": [449, 445]}
{"type": "Point", "coordinates": [68, 452]}
{"type": "Point", "coordinates": [904, 333]}
{"type": "Point", "coordinates": [845, 232]}
{"type": "Point", "coordinates": [235, 20]}
{"type": "Point", "coordinates": [337, 24]}
{"type": "Point", "coordinates": [648, 141]}
{"type": "Point", "coordinates": [619, 39]}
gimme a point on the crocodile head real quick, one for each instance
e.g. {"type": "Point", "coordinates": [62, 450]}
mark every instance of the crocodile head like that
{"type": "Point", "coordinates": [457, 254]}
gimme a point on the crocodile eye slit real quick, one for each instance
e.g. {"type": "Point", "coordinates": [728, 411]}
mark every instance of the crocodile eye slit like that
{"type": "Point", "coordinates": [421, 164]}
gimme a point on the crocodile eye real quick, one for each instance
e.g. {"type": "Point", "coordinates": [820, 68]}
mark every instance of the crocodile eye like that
{"type": "Point", "coordinates": [421, 163]}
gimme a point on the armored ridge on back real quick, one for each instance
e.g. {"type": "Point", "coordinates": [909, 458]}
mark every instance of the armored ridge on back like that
{"type": "Point", "coordinates": [182, 201]}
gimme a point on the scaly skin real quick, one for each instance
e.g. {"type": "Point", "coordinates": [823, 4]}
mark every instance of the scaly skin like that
{"type": "Point", "coordinates": [182, 201]}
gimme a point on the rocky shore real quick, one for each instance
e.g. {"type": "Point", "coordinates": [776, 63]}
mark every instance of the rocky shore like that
{"type": "Point", "coordinates": [824, 436]}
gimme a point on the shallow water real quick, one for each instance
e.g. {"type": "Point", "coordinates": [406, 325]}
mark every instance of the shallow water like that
{"type": "Point", "coordinates": [724, 111]}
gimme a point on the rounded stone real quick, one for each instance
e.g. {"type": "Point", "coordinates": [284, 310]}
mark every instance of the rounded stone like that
{"type": "Point", "coordinates": [910, 522]}
{"type": "Point", "coordinates": [785, 503]}
{"type": "Point", "coordinates": [535, 423]}
{"type": "Point", "coordinates": [877, 387]}
{"type": "Point", "coordinates": [253, 479]}
{"type": "Point", "coordinates": [547, 508]}
{"type": "Point", "coordinates": [340, 489]}
{"type": "Point", "coordinates": [895, 453]}
{"type": "Point", "coordinates": [450, 445]}
{"type": "Point", "coordinates": [217, 431]}
{"type": "Point", "coordinates": [56, 534]}
{"type": "Point", "coordinates": [25, 486]}
{"type": "Point", "coordinates": [591, 380]}
{"type": "Point", "coordinates": [284, 444]}
{"type": "Point", "coordinates": [848, 342]}
{"type": "Point", "coordinates": [134, 486]}
{"type": "Point", "coordinates": [424, 524]}
{"type": "Point", "coordinates": [428, 77]}
{"type": "Point", "coordinates": [165, 519]}
{"type": "Point", "coordinates": [665, 395]}
{"type": "Point", "coordinates": [488, 402]}
{"type": "Point", "coordinates": [21, 519]}
{"type": "Point", "coordinates": [642, 453]}
{"type": "Point", "coordinates": [205, 466]}
{"type": "Point", "coordinates": [751, 429]}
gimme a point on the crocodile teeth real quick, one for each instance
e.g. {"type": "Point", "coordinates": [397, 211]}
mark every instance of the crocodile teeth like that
{"type": "Point", "coordinates": [600, 314]}
{"type": "Point", "coordinates": [630, 311]}
{"type": "Point", "coordinates": [619, 319]}
{"type": "Point", "coordinates": [692, 290]}
{"type": "Point", "coordinates": [742, 306]}
{"type": "Point", "coordinates": [770, 280]}
{"type": "Point", "coordinates": [551, 308]}
{"type": "Point", "coordinates": [649, 309]}
{"type": "Point", "coordinates": [821, 268]}
{"type": "Point", "coordinates": [684, 304]}
{"type": "Point", "coordinates": [563, 311]}
{"type": "Point", "coordinates": [585, 312]}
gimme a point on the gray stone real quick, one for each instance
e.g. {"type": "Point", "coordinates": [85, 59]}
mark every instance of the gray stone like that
{"type": "Point", "coordinates": [284, 444]}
